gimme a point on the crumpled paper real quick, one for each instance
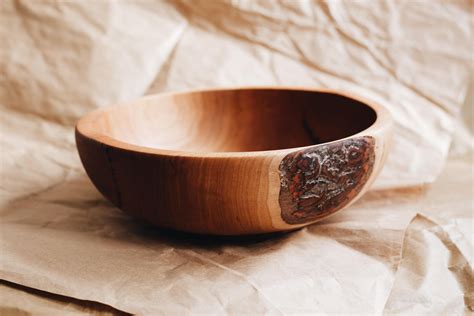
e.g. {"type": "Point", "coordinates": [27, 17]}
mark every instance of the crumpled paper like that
{"type": "Point", "coordinates": [19, 300]}
{"type": "Point", "coordinates": [436, 271]}
{"type": "Point", "coordinates": [60, 60]}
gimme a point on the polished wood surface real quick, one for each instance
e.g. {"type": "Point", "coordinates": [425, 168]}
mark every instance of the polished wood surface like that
{"type": "Point", "coordinates": [215, 161]}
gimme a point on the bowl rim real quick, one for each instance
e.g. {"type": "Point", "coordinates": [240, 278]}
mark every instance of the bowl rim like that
{"type": "Point", "coordinates": [85, 128]}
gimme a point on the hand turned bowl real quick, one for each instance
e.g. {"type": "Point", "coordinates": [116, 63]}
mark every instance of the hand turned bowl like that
{"type": "Point", "coordinates": [235, 161]}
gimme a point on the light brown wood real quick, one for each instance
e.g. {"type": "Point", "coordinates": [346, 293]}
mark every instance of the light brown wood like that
{"type": "Point", "coordinates": [235, 161]}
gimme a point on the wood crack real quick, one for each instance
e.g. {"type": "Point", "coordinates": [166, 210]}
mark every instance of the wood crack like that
{"type": "Point", "coordinates": [118, 194]}
{"type": "Point", "coordinates": [314, 139]}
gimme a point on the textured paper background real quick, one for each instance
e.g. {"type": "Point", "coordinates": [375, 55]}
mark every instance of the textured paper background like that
{"type": "Point", "coordinates": [60, 60]}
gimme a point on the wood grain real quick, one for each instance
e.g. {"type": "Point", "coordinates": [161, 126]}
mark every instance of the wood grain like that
{"type": "Point", "coordinates": [212, 161]}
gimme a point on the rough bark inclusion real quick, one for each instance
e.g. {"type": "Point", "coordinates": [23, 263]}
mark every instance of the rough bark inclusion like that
{"type": "Point", "coordinates": [320, 180]}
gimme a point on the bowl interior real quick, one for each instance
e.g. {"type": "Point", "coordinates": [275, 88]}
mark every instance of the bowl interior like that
{"type": "Point", "coordinates": [236, 120]}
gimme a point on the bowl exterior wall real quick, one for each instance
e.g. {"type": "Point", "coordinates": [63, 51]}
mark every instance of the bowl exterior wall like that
{"type": "Point", "coordinates": [230, 195]}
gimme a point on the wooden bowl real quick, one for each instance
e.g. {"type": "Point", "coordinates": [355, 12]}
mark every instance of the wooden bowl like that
{"type": "Point", "coordinates": [235, 161]}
